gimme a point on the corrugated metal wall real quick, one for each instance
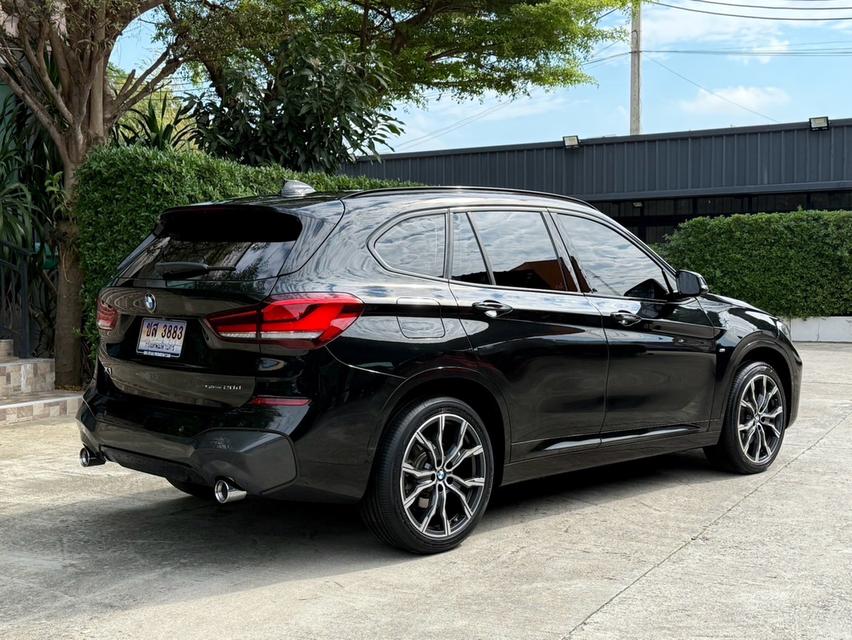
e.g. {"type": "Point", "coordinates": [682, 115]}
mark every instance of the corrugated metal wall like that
{"type": "Point", "coordinates": [719, 162]}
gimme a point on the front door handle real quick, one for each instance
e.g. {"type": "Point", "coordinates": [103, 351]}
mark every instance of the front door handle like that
{"type": "Point", "coordinates": [625, 318]}
{"type": "Point", "coordinates": [492, 308]}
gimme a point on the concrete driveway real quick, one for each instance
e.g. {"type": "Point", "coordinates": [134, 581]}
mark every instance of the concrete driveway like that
{"type": "Point", "coordinates": [663, 548]}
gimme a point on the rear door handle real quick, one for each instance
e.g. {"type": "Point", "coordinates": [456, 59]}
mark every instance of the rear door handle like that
{"type": "Point", "coordinates": [625, 318]}
{"type": "Point", "coordinates": [492, 308]}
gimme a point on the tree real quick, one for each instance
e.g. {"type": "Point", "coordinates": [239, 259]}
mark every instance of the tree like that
{"type": "Point", "coordinates": [460, 48]}
{"type": "Point", "coordinates": [308, 83]}
{"type": "Point", "coordinates": [313, 105]}
{"type": "Point", "coordinates": [54, 56]}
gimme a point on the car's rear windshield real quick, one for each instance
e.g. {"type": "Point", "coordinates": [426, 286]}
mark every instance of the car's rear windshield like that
{"type": "Point", "coordinates": [235, 244]}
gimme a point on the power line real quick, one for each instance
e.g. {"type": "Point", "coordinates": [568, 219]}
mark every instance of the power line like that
{"type": "Point", "coordinates": [839, 52]}
{"type": "Point", "coordinates": [456, 125]}
{"type": "Point", "coordinates": [804, 44]}
{"type": "Point", "coordinates": [607, 47]}
{"type": "Point", "coordinates": [713, 93]}
{"type": "Point", "coordinates": [741, 15]}
{"type": "Point", "coordinates": [605, 58]}
{"type": "Point", "coordinates": [816, 53]}
{"type": "Point", "coordinates": [773, 7]}
{"type": "Point", "coordinates": [485, 112]}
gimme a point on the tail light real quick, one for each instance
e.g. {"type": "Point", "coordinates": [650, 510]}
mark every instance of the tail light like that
{"type": "Point", "coordinates": [276, 401]}
{"type": "Point", "coordinates": [297, 321]}
{"type": "Point", "coordinates": [107, 316]}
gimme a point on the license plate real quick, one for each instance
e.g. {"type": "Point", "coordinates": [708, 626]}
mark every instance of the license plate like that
{"type": "Point", "coordinates": [161, 338]}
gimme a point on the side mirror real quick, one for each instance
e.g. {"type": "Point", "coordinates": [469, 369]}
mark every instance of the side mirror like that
{"type": "Point", "coordinates": [691, 284]}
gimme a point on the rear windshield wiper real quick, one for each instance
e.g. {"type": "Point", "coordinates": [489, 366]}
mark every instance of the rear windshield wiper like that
{"type": "Point", "coordinates": [186, 269]}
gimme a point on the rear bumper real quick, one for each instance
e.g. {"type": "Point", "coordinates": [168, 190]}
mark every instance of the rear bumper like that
{"type": "Point", "coordinates": [259, 461]}
{"type": "Point", "coordinates": [320, 452]}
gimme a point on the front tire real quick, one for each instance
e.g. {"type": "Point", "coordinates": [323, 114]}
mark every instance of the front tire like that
{"type": "Point", "coordinates": [755, 421]}
{"type": "Point", "coordinates": [432, 477]}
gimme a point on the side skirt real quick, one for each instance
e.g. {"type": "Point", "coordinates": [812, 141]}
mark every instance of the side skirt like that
{"type": "Point", "coordinates": [608, 451]}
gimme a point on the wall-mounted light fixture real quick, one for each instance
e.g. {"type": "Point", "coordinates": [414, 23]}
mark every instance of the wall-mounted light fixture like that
{"type": "Point", "coordinates": [819, 123]}
{"type": "Point", "coordinates": [571, 142]}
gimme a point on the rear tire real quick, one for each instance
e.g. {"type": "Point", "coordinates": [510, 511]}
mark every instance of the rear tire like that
{"type": "Point", "coordinates": [755, 421]}
{"type": "Point", "coordinates": [194, 489]}
{"type": "Point", "coordinates": [432, 477]}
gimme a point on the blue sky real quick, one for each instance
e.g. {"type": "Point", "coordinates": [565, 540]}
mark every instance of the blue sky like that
{"type": "Point", "coordinates": [754, 85]}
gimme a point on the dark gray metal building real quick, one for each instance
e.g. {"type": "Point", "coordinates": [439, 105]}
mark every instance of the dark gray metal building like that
{"type": "Point", "coordinates": [650, 183]}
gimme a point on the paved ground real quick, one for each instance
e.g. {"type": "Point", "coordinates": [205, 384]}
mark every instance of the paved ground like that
{"type": "Point", "coordinates": [665, 548]}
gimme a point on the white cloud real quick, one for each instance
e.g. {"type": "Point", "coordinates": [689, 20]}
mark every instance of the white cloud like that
{"type": "Point", "coordinates": [672, 28]}
{"type": "Point", "coordinates": [664, 27]}
{"type": "Point", "coordinates": [725, 100]}
{"type": "Point", "coordinates": [774, 45]}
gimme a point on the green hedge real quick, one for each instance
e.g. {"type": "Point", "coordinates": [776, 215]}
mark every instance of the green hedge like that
{"type": "Point", "coordinates": [790, 264]}
{"type": "Point", "coordinates": [121, 192]}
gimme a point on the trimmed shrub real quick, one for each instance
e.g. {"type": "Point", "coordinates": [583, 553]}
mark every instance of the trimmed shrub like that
{"type": "Point", "coordinates": [121, 192]}
{"type": "Point", "coordinates": [791, 264]}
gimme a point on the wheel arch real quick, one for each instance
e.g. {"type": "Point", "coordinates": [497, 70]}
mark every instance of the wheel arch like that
{"type": "Point", "coordinates": [465, 385]}
{"type": "Point", "coordinates": [760, 350]}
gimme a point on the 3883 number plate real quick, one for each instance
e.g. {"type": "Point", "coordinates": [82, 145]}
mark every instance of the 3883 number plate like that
{"type": "Point", "coordinates": [161, 338]}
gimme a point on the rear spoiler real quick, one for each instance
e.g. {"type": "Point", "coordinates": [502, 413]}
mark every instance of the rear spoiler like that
{"type": "Point", "coordinates": [227, 221]}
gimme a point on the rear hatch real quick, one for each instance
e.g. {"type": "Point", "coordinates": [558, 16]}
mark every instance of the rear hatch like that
{"type": "Point", "coordinates": [201, 262]}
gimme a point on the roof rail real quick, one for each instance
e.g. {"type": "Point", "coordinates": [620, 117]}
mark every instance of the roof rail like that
{"type": "Point", "coordinates": [393, 190]}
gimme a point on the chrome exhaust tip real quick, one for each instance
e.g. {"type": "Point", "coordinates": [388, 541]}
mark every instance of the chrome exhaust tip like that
{"type": "Point", "coordinates": [226, 492]}
{"type": "Point", "coordinates": [89, 458]}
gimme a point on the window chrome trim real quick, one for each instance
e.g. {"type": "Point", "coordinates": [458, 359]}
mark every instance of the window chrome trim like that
{"type": "Point", "coordinates": [541, 211]}
{"type": "Point", "coordinates": [386, 226]}
{"type": "Point", "coordinates": [613, 224]}
{"type": "Point", "coordinates": [625, 233]}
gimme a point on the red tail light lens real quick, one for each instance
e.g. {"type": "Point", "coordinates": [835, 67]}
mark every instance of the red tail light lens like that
{"type": "Point", "coordinates": [107, 316]}
{"type": "Point", "coordinates": [298, 321]}
{"type": "Point", "coordinates": [275, 401]}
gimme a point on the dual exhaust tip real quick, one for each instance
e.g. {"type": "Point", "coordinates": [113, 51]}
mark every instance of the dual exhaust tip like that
{"type": "Point", "coordinates": [224, 490]}
{"type": "Point", "coordinates": [89, 458]}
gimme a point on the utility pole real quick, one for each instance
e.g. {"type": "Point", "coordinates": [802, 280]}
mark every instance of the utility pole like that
{"type": "Point", "coordinates": [636, 69]}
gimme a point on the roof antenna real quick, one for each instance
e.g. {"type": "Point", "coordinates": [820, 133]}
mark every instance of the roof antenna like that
{"type": "Point", "coordinates": [296, 189]}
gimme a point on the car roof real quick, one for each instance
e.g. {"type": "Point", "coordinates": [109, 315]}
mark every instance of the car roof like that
{"type": "Point", "coordinates": [413, 198]}
{"type": "Point", "coordinates": [402, 199]}
{"type": "Point", "coordinates": [461, 190]}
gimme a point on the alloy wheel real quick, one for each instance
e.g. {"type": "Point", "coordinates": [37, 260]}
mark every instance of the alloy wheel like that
{"type": "Point", "coordinates": [760, 419]}
{"type": "Point", "coordinates": [442, 480]}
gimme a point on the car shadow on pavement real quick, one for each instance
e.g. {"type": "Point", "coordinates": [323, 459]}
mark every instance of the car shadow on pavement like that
{"type": "Point", "coordinates": [611, 481]}
{"type": "Point", "coordinates": [153, 546]}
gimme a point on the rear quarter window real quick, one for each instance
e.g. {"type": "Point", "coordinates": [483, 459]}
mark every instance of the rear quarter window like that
{"type": "Point", "coordinates": [415, 245]}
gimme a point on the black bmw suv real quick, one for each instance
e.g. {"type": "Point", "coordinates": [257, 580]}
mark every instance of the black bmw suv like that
{"type": "Point", "coordinates": [414, 348]}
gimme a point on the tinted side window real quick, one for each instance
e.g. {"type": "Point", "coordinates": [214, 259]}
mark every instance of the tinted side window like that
{"type": "Point", "coordinates": [519, 249]}
{"type": "Point", "coordinates": [415, 245]}
{"type": "Point", "coordinates": [468, 263]}
{"type": "Point", "coordinates": [612, 264]}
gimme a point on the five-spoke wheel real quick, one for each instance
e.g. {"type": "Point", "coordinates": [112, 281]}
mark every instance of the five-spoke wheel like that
{"type": "Point", "coordinates": [432, 477]}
